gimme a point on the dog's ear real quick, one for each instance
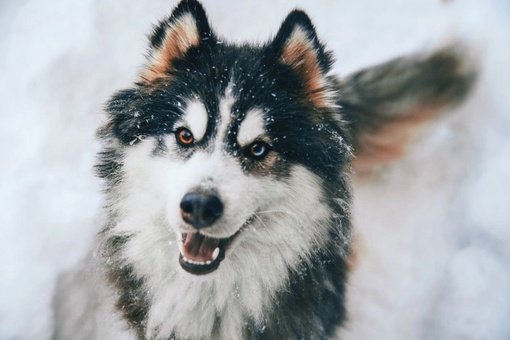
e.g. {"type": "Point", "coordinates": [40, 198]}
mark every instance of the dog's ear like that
{"type": "Point", "coordinates": [186, 28]}
{"type": "Point", "coordinates": [388, 105]}
{"type": "Point", "coordinates": [296, 45]}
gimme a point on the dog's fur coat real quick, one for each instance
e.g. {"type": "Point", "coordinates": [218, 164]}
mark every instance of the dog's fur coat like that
{"type": "Point", "coordinates": [284, 231]}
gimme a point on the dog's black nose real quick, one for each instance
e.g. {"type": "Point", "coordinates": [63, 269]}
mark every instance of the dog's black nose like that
{"type": "Point", "coordinates": [201, 209]}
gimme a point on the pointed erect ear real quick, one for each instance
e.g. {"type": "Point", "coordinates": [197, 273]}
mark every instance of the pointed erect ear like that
{"type": "Point", "coordinates": [173, 37]}
{"type": "Point", "coordinates": [297, 46]}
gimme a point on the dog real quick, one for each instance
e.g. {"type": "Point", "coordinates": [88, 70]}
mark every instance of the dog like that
{"type": "Point", "coordinates": [227, 172]}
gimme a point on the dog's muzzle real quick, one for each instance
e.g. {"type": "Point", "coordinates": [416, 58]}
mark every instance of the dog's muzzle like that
{"type": "Point", "coordinates": [200, 254]}
{"type": "Point", "coordinates": [201, 210]}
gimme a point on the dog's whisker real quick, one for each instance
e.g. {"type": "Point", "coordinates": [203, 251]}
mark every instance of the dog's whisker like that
{"type": "Point", "coordinates": [276, 211]}
{"type": "Point", "coordinates": [260, 220]}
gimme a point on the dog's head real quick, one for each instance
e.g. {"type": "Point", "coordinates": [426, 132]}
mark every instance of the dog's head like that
{"type": "Point", "coordinates": [241, 152]}
{"type": "Point", "coordinates": [232, 145]}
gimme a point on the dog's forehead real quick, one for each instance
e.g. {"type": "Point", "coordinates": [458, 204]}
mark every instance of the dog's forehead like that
{"type": "Point", "coordinates": [225, 121]}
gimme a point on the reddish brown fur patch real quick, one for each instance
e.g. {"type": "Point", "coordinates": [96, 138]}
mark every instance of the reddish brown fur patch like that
{"type": "Point", "coordinates": [355, 251]}
{"type": "Point", "coordinates": [300, 54]}
{"type": "Point", "coordinates": [389, 141]}
{"type": "Point", "coordinates": [180, 37]}
{"type": "Point", "coordinates": [265, 167]}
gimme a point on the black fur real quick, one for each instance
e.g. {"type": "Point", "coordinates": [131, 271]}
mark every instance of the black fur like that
{"type": "Point", "coordinates": [261, 82]}
{"type": "Point", "coordinates": [132, 301]}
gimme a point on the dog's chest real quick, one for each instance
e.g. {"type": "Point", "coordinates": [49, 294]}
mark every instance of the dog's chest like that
{"type": "Point", "coordinates": [206, 309]}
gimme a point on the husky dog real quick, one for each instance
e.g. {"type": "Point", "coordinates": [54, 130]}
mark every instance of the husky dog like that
{"type": "Point", "coordinates": [227, 172]}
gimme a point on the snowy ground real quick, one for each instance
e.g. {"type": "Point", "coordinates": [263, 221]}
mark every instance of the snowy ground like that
{"type": "Point", "coordinates": [435, 257]}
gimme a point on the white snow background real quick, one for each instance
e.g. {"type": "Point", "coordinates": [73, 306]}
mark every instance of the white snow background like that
{"type": "Point", "coordinates": [435, 256]}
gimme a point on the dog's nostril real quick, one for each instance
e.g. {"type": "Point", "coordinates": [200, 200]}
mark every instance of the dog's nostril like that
{"type": "Point", "coordinates": [212, 207]}
{"type": "Point", "coordinates": [187, 207]}
{"type": "Point", "coordinates": [201, 209]}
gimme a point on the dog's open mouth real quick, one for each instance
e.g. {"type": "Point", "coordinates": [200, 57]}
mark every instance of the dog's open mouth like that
{"type": "Point", "coordinates": [200, 254]}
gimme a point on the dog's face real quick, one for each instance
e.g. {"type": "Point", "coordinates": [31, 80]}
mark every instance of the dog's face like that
{"type": "Point", "coordinates": [229, 147]}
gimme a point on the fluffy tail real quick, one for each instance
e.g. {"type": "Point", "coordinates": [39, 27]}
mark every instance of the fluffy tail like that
{"type": "Point", "coordinates": [388, 104]}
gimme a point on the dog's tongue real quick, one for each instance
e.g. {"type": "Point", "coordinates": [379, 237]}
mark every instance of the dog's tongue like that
{"type": "Point", "coordinates": [198, 247]}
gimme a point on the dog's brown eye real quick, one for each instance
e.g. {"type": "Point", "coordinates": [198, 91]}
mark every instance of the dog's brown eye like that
{"type": "Point", "coordinates": [258, 149]}
{"type": "Point", "coordinates": [185, 137]}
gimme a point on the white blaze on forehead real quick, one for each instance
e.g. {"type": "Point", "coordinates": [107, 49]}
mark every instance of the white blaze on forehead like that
{"type": "Point", "coordinates": [195, 118]}
{"type": "Point", "coordinates": [225, 115]}
{"type": "Point", "coordinates": [251, 127]}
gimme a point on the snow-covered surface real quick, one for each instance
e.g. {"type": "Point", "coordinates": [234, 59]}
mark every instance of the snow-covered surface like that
{"type": "Point", "coordinates": [435, 226]}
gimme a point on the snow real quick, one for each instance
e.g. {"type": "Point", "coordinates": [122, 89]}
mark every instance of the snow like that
{"type": "Point", "coordinates": [435, 225]}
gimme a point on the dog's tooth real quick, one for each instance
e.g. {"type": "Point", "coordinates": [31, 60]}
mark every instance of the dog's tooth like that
{"type": "Point", "coordinates": [215, 253]}
{"type": "Point", "coordinates": [181, 247]}
{"type": "Point", "coordinates": [200, 263]}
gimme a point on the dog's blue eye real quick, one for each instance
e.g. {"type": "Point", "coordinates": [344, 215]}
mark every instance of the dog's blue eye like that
{"type": "Point", "coordinates": [258, 149]}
